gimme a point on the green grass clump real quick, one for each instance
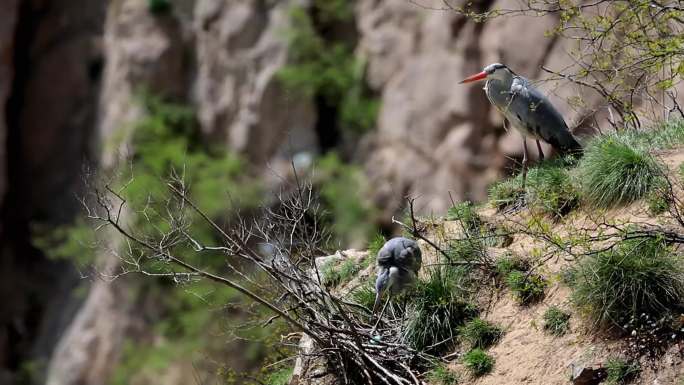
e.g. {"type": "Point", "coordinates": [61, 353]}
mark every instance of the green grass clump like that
{"type": "Point", "coordinates": [441, 375]}
{"type": "Point", "coordinates": [556, 321]}
{"type": "Point", "coordinates": [665, 135]}
{"type": "Point", "coordinates": [613, 172]}
{"type": "Point", "coordinates": [509, 263]}
{"type": "Point", "coordinates": [549, 189]}
{"type": "Point", "coordinates": [333, 275]}
{"type": "Point", "coordinates": [364, 295]}
{"type": "Point", "coordinates": [638, 275]}
{"type": "Point", "coordinates": [439, 307]}
{"type": "Point", "coordinates": [514, 271]}
{"type": "Point", "coordinates": [478, 362]}
{"type": "Point", "coordinates": [479, 333]}
{"type": "Point", "coordinates": [375, 244]}
{"type": "Point", "coordinates": [621, 372]}
{"type": "Point", "coordinates": [465, 213]}
{"type": "Point", "coordinates": [527, 287]}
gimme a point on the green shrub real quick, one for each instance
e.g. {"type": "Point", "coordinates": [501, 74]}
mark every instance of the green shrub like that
{"type": "Point", "coordinates": [556, 321]}
{"type": "Point", "coordinates": [439, 307]}
{"type": "Point", "coordinates": [158, 7]}
{"type": "Point", "coordinates": [614, 173]}
{"type": "Point", "coordinates": [620, 372]}
{"type": "Point", "coordinates": [479, 333]}
{"type": "Point", "coordinates": [638, 275]}
{"type": "Point", "coordinates": [527, 287]}
{"type": "Point", "coordinates": [441, 375]}
{"type": "Point", "coordinates": [478, 362]}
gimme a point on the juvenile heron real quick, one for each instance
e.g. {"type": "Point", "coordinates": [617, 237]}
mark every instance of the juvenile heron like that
{"type": "Point", "coordinates": [527, 109]}
{"type": "Point", "coordinates": [399, 260]}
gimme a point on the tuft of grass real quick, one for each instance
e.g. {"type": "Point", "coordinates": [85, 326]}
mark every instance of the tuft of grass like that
{"type": "Point", "coordinates": [375, 244]}
{"type": "Point", "coordinates": [556, 321]}
{"type": "Point", "coordinates": [464, 212]}
{"type": "Point", "coordinates": [469, 249]}
{"type": "Point", "coordinates": [549, 189]}
{"type": "Point", "coordinates": [664, 135]}
{"type": "Point", "coordinates": [364, 296]}
{"type": "Point", "coordinates": [613, 172]}
{"type": "Point", "coordinates": [479, 333]}
{"type": "Point", "coordinates": [506, 193]}
{"type": "Point", "coordinates": [478, 362]}
{"type": "Point", "coordinates": [620, 372]}
{"type": "Point", "coordinates": [511, 262]}
{"type": "Point", "coordinates": [441, 375]}
{"type": "Point", "coordinates": [638, 275]}
{"type": "Point", "coordinates": [439, 307]}
{"type": "Point", "coordinates": [333, 275]}
{"type": "Point", "coordinates": [527, 287]}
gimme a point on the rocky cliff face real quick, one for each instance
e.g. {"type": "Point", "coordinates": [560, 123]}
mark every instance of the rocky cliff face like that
{"type": "Point", "coordinates": [69, 74]}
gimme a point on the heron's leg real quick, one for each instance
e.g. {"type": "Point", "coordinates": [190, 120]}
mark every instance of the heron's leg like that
{"type": "Point", "coordinates": [380, 316]}
{"type": "Point", "coordinates": [541, 153]}
{"type": "Point", "coordinates": [524, 163]}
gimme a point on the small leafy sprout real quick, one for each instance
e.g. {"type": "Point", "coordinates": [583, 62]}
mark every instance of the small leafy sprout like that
{"type": "Point", "coordinates": [478, 362]}
{"type": "Point", "coordinates": [556, 321]}
{"type": "Point", "coordinates": [479, 333]}
{"type": "Point", "coordinates": [440, 374]}
{"type": "Point", "coordinates": [527, 287]}
{"type": "Point", "coordinates": [621, 372]}
{"type": "Point", "coordinates": [614, 173]}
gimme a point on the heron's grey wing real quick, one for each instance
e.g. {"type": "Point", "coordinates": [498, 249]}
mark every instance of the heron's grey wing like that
{"type": "Point", "coordinates": [385, 256]}
{"type": "Point", "coordinates": [541, 117]}
{"type": "Point", "coordinates": [410, 256]}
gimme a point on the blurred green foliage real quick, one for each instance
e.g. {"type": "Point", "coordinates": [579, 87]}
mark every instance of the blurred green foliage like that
{"type": "Point", "coordinates": [159, 7]}
{"type": "Point", "coordinates": [343, 190]}
{"type": "Point", "coordinates": [326, 66]}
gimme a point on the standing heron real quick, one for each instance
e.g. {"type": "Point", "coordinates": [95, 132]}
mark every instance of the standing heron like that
{"type": "Point", "coordinates": [399, 260]}
{"type": "Point", "coordinates": [527, 109]}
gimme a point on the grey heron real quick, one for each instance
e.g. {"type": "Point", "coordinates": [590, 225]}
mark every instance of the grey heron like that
{"type": "Point", "coordinates": [527, 109]}
{"type": "Point", "coordinates": [399, 261]}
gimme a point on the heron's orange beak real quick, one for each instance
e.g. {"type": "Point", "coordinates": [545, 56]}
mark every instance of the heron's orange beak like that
{"type": "Point", "coordinates": [472, 78]}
